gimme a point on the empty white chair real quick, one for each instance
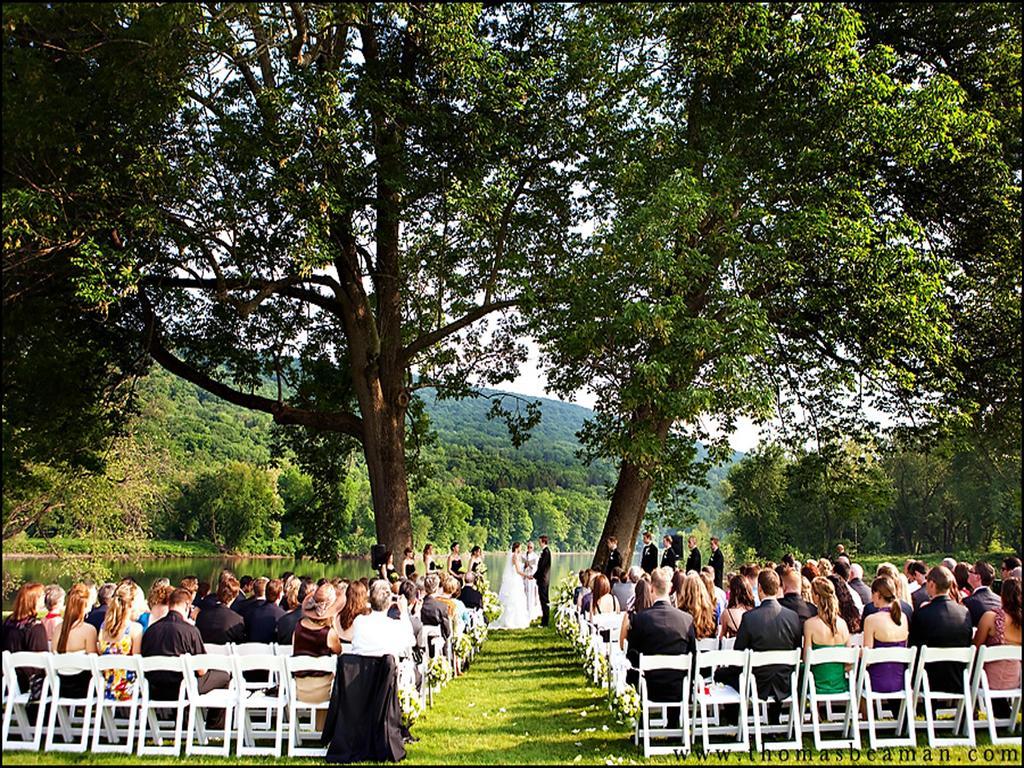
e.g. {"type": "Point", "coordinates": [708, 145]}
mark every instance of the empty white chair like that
{"type": "Point", "coordinates": [299, 731]}
{"type": "Point", "coordinates": [901, 702]}
{"type": "Point", "coordinates": [658, 726]}
{"type": "Point", "coordinates": [199, 703]}
{"type": "Point", "coordinates": [19, 701]}
{"type": "Point", "coordinates": [709, 694]}
{"type": "Point", "coordinates": [150, 709]}
{"type": "Point", "coordinates": [963, 713]}
{"type": "Point", "coordinates": [110, 712]}
{"type": "Point", "coordinates": [759, 706]}
{"type": "Point", "coordinates": [985, 695]}
{"type": "Point", "coordinates": [270, 697]}
{"type": "Point", "coordinates": [64, 718]}
{"type": "Point", "coordinates": [849, 724]}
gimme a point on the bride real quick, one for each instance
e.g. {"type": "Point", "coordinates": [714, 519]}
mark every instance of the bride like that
{"type": "Point", "coordinates": [532, 593]}
{"type": "Point", "coordinates": [512, 595]}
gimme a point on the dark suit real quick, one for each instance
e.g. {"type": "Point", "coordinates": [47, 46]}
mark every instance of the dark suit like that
{"type": "Point", "coordinates": [543, 578]}
{"type": "Point", "coordinates": [247, 605]}
{"type": "Point", "coordinates": [434, 613]}
{"type": "Point", "coordinates": [981, 600]}
{"type": "Point", "coordinates": [614, 561]}
{"type": "Point", "coordinates": [942, 624]}
{"type": "Point", "coordinates": [919, 597]}
{"type": "Point", "coordinates": [769, 627]}
{"type": "Point", "coordinates": [261, 622]}
{"type": "Point", "coordinates": [862, 590]}
{"type": "Point", "coordinates": [669, 558]}
{"type": "Point", "coordinates": [693, 561]}
{"type": "Point", "coordinates": [220, 624]}
{"type": "Point", "coordinates": [661, 629]}
{"type": "Point", "coordinates": [649, 558]}
{"type": "Point", "coordinates": [286, 626]}
{"type": "Point", "coordinates": [471, 598]}
{"type": "Point", "coordinates": [800, 607]}
{"type": "Point", "coordinates": [718, 563]}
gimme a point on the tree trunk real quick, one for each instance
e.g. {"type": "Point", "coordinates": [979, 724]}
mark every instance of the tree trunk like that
{"type": "Point", "coordinates": [626, 514]}
{"type": "Point", "coordinates": [384, 448]}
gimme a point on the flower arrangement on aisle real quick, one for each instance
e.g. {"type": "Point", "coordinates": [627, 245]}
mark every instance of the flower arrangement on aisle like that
{"type": "Point", "coordinates": [464, 646]}
{"type": "Point", "coordinates": [439, 671]}
{"type": "Point", "coordinates": [626, 705]}
{"type": "Point", "coordinates": [492, 606]}
{"type": "Point", "coordinates": [478, 634]}
{"type": "Point", "coordinates": [595, 664]}
{"type": "Point", "coordinates": [410, 703]}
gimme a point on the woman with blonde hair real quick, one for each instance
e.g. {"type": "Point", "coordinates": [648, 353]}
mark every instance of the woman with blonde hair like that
{"type": "Point", "coordinates": [694, 599]}
{"type": "Point", "coordinates": [826, 630]}
{"type": "Point", "coordinates": [824, 567]}
{"type": "Point", "coordinates": [76, 635]}
{"type": "Point", "coordinates": [805, 589]}
{"type": "Point", "coordinates": [120, 635]}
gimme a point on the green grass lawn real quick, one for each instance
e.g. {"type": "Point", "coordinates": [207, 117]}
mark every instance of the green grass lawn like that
{"type": "Point", "coordinates": [525, 701]}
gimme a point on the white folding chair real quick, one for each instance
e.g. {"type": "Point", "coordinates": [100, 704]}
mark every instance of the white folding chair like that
{"type": "Point", "coordinates": [983, 694]}
{"type": "Point", "coordinates": [223, 649]}
{"type": "Point", "coordinates": [727, 643]}
{"type": "Point", "coordinates": [251, 649]}
{"type": "Point", "coordinates": [849, 725]}
{"type": "Point", "coordinates": [19, 701]}
{"type": "Point", "coordinates": [707, 644]}
{"type": "Point", "coordinates": [962, 714]}
{"type": "Point", "coordinates": [759, 706]}
{"type": "Point", "coordinates": [221, 698]}
{"type": "Point", "coordinates": [150, 709]}
{"type": "Point", "coordinates": [901, 702]}
{"type": "Point", "coordinates": [435, 647]}
{"type": "Point", "coordinates": [73, 729]}
{"type": "Point", "coordinates": [299, 731]}
{"type": "Point", "coordinates": [283, 649]}
{"type": "Point", "coordinates": [857, 640]}
{"type": "Point", "coordinates": [110, 712]}
{"type": "Point", "coordinates": [709, 694]}
{"type": "Point", "coordinates": [658, 726]}
{"type": "Point", "coordinates": [270, 697]}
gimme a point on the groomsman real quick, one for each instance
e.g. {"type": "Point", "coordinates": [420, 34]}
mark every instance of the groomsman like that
{"type": "Point", "coordinates": [649, 555]}
{"type": "Point", "coordinates": [693, 561]}
{"type": "Point", "coordinates": [669, 557]}
{"type": "Point", "coordinates": [717, 561]}
{"type": "Point", "coordinates": [614, 556]}
{"type": "Point", "coordinates": [543, 578]}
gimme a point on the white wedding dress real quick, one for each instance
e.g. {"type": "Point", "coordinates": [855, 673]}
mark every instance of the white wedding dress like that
{"type": "Point", "coordinates": [512, 596]}
{"type": "Point", "coordinates": [532, 593]}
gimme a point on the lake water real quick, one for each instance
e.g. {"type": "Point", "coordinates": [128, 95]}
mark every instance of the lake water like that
{"type": "Point", "coordinates": [50, 570]}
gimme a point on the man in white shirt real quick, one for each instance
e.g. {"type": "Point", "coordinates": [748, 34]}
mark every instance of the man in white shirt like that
{"type": "Point", "coordinates": [376, 633]}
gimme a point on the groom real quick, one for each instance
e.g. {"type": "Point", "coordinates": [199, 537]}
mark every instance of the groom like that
{"type": "Point", "coordinates": [543, 578]}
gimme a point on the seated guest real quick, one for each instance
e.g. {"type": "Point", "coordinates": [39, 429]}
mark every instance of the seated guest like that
{"type": "Point", "coordinates": [53, 598]}
{"type": "Point", "coordinates": [643, 598]}
{"type": "Point", "coordinates": [856, 583]}
{"type": "Point", "coordinates": [718, 596]}
{"type": "Point", "coordinates": [678, 579]}
{"type": "Point", "coordinates": [119, 636]}
{"type": "Point", "coordinates": [750, 572]}
{"type": "Point", "coordinates": [917, 574]}
{"type": "Point", "coordinates": [847, 603]}
{"type": "Point", "coordinates": [23, 631]}
{"type": "Point", "coordinates": [810, 570]}
{"type": "Point", "coordinates": [1002, 626]}
{"type": "Point", "coordinates": [191, 583]}
{"type": "Point", "coordinates": [1009, 566]}
{"type": "Point", "coordinates": [433, 612]}
{"type": "Point", "coordinates": [356, 603]}
{"type": "Point", "coordinates": [293, 597]}
{"type": "Point", "coordinates": [842, 574]}
{"type": "Point", "coordinates": [695, 600]}
{"type": "Point", "coordinates": [97, 614]}
{"type": "Point", "coordinates": [220, 625]}
{"type": "Point", "coordinates": [158, 605]}
{"type": "Point", "coordinates": [888, 626]}
{"type": "Point", "coordinates": [582, 589]}
{"type": "Point", "coordinates": [244, 594]}
{"type": "Point", "coordinates": [375, 633]}
{"type": "Point", "coordinates": [261, 620]}
{"type": "Point", "coordinates": [982, 598]}
{"type": "Point", "coordinates": [76, 635]}
{"type": "Point", "coordinates": [315, 636]}
{"type": "Point", "coordinates": [470, 595]}
{"type": "Point", "coordinates": [824, 567]}
{"type": "Point", "coordinates": [792, 586]}
{"type": "Point", "coordinates": [621, 587]}
{"type": "Point", "coordinates": [826, 629]}
{"type": "Point", "coordinates": [602, 599]}
{"type": "Point", "coordinates": [661, 629]}
{"type": "Point", "coordinates": [941, 623]}
{"type": "Point", "coordinates": [962, 574]}
{"type": "Point", "coordinates": [450, 587]}
{"type": "Point", "coordinates": [259, 596]}
{"type": "Point", "coordinates": [202, 592]}
{"type": "Point", "coordinates": [740, 601]}
{"type": "Point", "coordinates": [769, 627]}
{"type": "Point", "coordinates": [888, 571]}
{"type": "Point", "coordinates": [408, 589]}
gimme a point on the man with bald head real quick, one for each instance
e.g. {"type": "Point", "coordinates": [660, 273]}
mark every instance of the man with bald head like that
{"type": "Point", "coordinates": [942, 623]}
{"type": "Point", "coordinates": [857, 585]}
{"type": "Point", "coordinates": [792, 582]}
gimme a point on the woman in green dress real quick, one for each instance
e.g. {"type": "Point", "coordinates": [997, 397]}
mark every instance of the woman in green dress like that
{"type": "Point", "coordinates": [826, 630]}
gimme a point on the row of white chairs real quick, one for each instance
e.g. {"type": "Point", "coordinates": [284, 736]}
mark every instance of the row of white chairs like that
{"type": "Point", "coordinates": [702, 697]}
{"type": "Point", "coordinates": [255, 710]}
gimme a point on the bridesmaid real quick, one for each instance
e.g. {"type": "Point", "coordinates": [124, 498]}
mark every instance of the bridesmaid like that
{"type": "Point", "coordinates": [409, 563]}
{"type": "Point", "coordinates": [428, 559]}
{"type": "Point", "coordinates": [476, 559]}
{"type": "Point", "coordinates": [454, 564]}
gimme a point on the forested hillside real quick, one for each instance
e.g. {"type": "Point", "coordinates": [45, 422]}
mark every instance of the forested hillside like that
{"type": "Point", "coordinates": [196, 468]}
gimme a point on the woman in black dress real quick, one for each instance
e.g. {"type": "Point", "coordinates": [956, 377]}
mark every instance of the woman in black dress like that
{"type": "Point", "coordinates": [476, 559]}
{"type": "Point", "coordinates": [428, 559]}
{"type": "Point", "coordinates": [455, 560]}
{"type": "Point", "coordinates": [409, 563]}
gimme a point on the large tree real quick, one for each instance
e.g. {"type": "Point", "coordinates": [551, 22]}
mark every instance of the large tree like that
{"type": "Point", "coordinates": [330, 195]}
{"type": "Point", "coordinates": [752, 254]}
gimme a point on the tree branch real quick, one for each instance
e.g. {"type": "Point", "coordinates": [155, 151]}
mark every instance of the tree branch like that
{"type": "Point", "coordinates": [429, 339]}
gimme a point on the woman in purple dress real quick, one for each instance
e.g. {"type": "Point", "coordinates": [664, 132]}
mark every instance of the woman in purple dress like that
{"type": "Point", "coordinates": [886, 628]}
